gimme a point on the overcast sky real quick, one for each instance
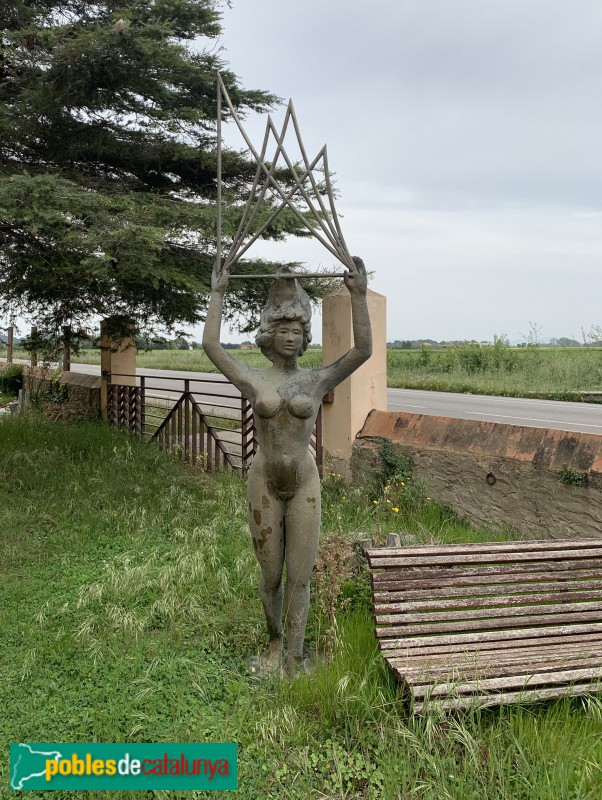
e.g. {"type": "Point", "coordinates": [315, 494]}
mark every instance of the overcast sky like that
{"type": "Point", "coordinates": [466, 137]}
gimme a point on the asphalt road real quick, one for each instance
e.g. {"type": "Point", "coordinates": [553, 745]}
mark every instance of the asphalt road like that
{"type": "Point", "coordinates": [585, 417]}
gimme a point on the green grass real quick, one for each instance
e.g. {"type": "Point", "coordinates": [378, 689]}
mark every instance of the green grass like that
{"type": "Point", "coordinates": [130, 612]}
{"type": "Point", "coordinates": [544, 372]}
{"type": "Point", "coordinates": [552, 373]}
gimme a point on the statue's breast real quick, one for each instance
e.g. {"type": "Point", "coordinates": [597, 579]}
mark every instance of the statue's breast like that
{"type": "Point", "coordinates": [301, 405]}
{"type": "Point", "coordinates": [268, 404]}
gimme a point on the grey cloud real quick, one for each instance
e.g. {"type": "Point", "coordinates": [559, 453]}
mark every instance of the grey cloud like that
{"type": "Point", "coordinates": [461, 102]}
{"type": "Point", "coordinates": [465, 135]}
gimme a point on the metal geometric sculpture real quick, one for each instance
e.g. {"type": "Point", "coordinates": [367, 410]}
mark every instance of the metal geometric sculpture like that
{"type": "Point", "coordinates": [320, 219]}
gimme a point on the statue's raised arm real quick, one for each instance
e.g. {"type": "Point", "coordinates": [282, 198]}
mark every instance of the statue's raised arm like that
{"type": "Point", "coordinates": [357, 283]}
{"type": "Point", "coordinates": [237, 373]}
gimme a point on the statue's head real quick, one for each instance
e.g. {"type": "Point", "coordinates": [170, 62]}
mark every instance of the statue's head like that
{"type": "Point", "coordinates": [287, 302]}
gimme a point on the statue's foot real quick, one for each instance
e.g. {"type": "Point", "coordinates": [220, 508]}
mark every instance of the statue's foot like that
{"type": "Point", "coordinates": [302, 665]}
{"type": "Point", "coordinates": [298, 665]}
{"type": "Point", "coordinates": [269, 663]}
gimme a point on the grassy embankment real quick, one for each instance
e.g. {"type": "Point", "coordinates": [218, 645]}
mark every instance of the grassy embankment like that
{"type": "Point", "coordinates": [130, 611]}
{"type": "Point", "coordinates": [545, 372]}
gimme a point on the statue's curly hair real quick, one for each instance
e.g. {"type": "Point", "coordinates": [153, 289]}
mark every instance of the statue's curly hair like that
{"type": "Point", "coordinates": [270, 321]}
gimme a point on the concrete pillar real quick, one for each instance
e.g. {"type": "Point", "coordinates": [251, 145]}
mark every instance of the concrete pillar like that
{"type": "Point", "coordinates": [117, 359]}
{"type": "Point", "coordinates": [365, 389]}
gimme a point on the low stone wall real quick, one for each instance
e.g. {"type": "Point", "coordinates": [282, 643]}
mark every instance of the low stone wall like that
{"type": "Point", "coordinates": [544, 483]}
{"type": "Point", "coordinates": [70, 396]}
{"type": "Point", "coordinates": [83, 389]}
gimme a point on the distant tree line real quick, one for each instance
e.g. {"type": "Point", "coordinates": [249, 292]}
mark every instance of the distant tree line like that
{"type": "Point", "coordinates": [182, 343]}
{"type": "Point", "coordinates": [420, 344]}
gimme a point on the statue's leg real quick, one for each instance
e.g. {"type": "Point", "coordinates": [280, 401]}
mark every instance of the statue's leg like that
{"type": "Point", "coordinates": [302, 536]}
{"type": "Point", "coordinates": [266, 521]}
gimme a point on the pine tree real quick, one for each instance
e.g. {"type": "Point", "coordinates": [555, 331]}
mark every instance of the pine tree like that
{"type": "Point", "coordinates": [108, 161]}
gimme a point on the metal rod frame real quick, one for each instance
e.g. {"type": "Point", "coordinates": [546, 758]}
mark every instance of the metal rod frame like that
{"type": "Point", "coordinates": [320, 220]}
{"type": "Point", "coordinates": [295, 275]}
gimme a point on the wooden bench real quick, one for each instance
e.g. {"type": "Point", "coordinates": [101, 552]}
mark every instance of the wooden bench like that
{"type": "Point", "coordinates": [496, 622]}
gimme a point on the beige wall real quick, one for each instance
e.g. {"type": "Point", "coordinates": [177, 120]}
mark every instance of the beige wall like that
{"type": "Point", "coordinates": [363, 391]}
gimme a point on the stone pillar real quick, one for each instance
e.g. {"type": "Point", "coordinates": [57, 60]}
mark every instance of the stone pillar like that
{"type": "Point", "coordinates": [365, 389]}
{"type": "Point", "coordinates": [117, 359]}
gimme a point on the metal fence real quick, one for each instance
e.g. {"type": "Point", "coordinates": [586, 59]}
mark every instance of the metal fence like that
{"type": "Point", "coordinates": [203, 421]}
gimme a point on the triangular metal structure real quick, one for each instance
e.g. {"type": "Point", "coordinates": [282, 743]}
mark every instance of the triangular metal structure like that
{"type": "Point", "coordinates": [320, 218]}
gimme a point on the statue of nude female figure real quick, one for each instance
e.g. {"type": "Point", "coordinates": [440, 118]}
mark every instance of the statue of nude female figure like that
{"type": "Point", "coordinates": [283, 483]}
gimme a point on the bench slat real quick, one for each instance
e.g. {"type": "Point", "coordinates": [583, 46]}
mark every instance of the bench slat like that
{"type": "Point", "coordinates": [421, 577]}
{"type": "Point", "coordinates": [506, 651]}
{"type": "Point", "coordinates": [509, 682]}
{"type": "Point", "coordinates": [525, 696]}
{"type": "Point", "coordinates": [492, 636]}
{"type": "Point", "coordinates": [482, 558]}
{"type": "Point", "coordinates": [490, 671]}
{"type": "Point", "coordinates": [526, 600]}
{"type": "Point", "coordinates": [490, 612]}
{"type": "Point", "coordinates": [485, 624]}
{"type": "Point", "coordinates": [469, 659]}
{"type": "Point", "coordinates": [399, 647]}
{"type": "Point", "coordinates": [394, 595]}
{"type": "Point", "coordinates": [515, 547]}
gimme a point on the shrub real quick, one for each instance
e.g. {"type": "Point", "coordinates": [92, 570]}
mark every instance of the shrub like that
{"type": "Point", "coordinates": [11, 378]}
{"type": "Point", "coordinates": [572, 477]}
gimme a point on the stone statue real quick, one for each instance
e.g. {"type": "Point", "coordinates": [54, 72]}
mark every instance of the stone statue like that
{"type": "Point", "coordinates": [283, 482]}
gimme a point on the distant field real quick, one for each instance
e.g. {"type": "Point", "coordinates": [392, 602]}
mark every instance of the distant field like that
{"type": "Point", "coordinates": [555, 373]}
{"type": "Point", "coordinates": [189, 360]}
